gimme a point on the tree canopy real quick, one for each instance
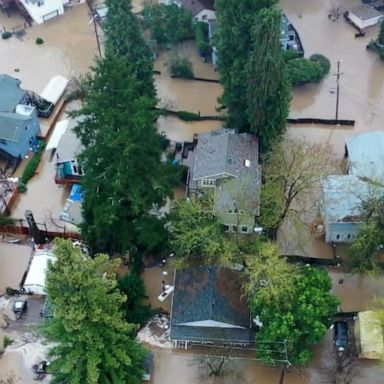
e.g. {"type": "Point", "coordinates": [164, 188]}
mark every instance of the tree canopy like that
{"type": "Point", "coordinates": [124, 38]}
{"type": "Point", "coordinates": [124, 176]}
{"type": "Point", "coordinates": [268, 89]}
{"type": "Point", "coordinates": [234, 42]}
{"type": "Point", "coordinates": [94, 344]}
{"type": "Point", "coordinates": [302, 319]}
{"type": "Point", "coordinates": [270, 277]}
{"type": "Point", "coordinates": [196, 235]}
{"type": "Point", "coordinates": [366, 251]}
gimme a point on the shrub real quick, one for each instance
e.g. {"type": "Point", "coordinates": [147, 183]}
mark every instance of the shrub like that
{"type": "Point", "coordinates": [22, 187]}
{"type": "Point", "coordinates": [188, 116]}
{"type": "Point", "coordinates": [7, 341]}
{"type": "Point", "coordinates": [6, 35]}
{"type": "Point", "coordinates": [291, 55]}
{"type": "Point", "coordinates": [322, 60]}
{"type": "Point", "coordinates": [39, 41]}
{"type": "Point", "coordinates": [180, 67]}
{"type": "Point", "coordinates": [32, 164]}
{"type": "Point", "coordinates": [303, 71]}
{"type": "Point", "coordinates": [201, 34]}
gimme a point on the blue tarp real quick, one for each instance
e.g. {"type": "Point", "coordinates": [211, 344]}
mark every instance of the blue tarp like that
{"type": "Point", "coordinates": [76, 194]}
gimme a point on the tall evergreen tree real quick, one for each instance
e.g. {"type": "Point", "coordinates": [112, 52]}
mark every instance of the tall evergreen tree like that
{"type": "Point", "coordinates": [124, 177]}
{"type": "Point", "coordinates": [268, 89]}
{"type": "Point", "coordinates": [233, 41]}
{"type": "Point", "coordinates": [93, 343]}
{"type": "Point", "coordinates": [124, 38]}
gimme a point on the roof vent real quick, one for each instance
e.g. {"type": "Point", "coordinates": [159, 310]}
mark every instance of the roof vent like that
{"type": "Point", "coordinates": [247, 163]}
{"type": "Point", "coordinates": [229, 160]}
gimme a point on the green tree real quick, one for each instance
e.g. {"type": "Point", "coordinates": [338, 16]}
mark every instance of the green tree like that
{"type": "Point", "coordinates": [380, 38]}
{"type": "Point", "coordinates": [234, 42]}
{"type": "Point", "coordinates": [168, 23]}
{"type": "Point", "coordinates": [302, 71]}
{"type": "Point", "coordinates": [268, 89]}
{"type": "Point", "coordinates": [197, 236]}
{"type": "Point", "coordinates": [271, 278]}
{"type": "Point", "coordinates": [302, 320]}
{"type": "Point", "coordinates": [365, 253]}
{"type": "Point", "coordinates": [124, 177]}
{"type": "Point", "coordinates": [124, 38]}
{"type": "Point", "coordinates": [93, 344]}
{"type": "Point", "coordinates": [132, 286]}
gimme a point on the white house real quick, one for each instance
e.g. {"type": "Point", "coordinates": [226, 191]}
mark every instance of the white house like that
{"type": "Point", "coordinates": [341, 205]}
{"type": "Point", "coordinates": [364, 16]}
{"type": "Point", "coordinates": [43, 10]}
{"type": "Point", "coordinates": [35, 280]}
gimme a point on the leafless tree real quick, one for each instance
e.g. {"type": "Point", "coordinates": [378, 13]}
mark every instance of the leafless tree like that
{"type": "Point", "coordinates": [340, 368]}
{"type": "Point", "coordinates": [334, 12]}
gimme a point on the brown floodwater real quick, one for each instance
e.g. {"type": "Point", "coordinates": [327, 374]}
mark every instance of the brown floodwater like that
{"type": "Point", "coordinates": [14, 260]}
{"type": "Point", "coordinates": [187, 95]}
{"type": "Point", "coordinates": [361, 82]}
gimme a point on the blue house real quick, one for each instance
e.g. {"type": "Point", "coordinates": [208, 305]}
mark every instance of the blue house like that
{"type": "Point", "coordinates": [19, 123]}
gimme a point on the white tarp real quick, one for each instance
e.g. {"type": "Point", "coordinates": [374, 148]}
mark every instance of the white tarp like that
{"type": "Point", "coordinates": [369, 335]}
{"type": "Point", "coordinates": [54, 89]}
{"type": "Point", "coordinates": [57, 134]}
{"type": "Point", "coordinates": [35, 280]}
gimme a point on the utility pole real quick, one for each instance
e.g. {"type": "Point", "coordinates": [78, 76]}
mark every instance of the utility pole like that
{"type": "Point", "coordinates": [337, 88]}
{"type": "Point", "coordinates": [94, 15]}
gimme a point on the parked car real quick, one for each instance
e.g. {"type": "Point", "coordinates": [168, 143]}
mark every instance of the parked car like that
{"type": "Point", "coordinates": [168, 289]}
{"type": "Point", "coordinates": [147, 365]}
{"type": "Point", "coordinates": [19, 307]}
{"type": "Point", "coordinates": [340, 335]}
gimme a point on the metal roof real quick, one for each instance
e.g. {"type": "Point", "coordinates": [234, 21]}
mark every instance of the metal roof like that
{"type": "Point", "coordinates": [69, 146]}
{"type": "Point", "coordinates": [365, 12]}
{"type": "Point", "coordinates": [366, 155]}
{"type": "Point", "coordinates": [12, 126]}
{"type": "Point", "coordinates": [10, 93]}
{"type": "Point", "coordinates": [343, 195]}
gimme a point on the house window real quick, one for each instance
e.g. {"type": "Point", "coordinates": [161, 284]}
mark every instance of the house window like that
{"type": "Point", "coordinates": [234, 228]}
{"type": "Point", "coordinates": [2, 141]}
{"type": "Point", "coordinates": [208, 182]}
{"type": "Point", "coordinates": [204, 17]}
{"type": "Point", "coordinates": [337, 237]}
{"type": "Point", "coordinates": [243, 229]}
{"type": "Point", "coordinates": [231, 211]}
{"type": "Point", "coordinates": [241, 212]}
{"type": "Point", "coordinates": [226, 228]}
{"type": "Point", "coordinates": [349, 236]}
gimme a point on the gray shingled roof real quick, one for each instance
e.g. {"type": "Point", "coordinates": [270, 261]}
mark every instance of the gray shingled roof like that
{"type": "Point", "coordinates": [12, 126]}
{"type": "Point", "coordinates": [209, 294]}
{"type": "Point", "coordinates": [10, 93]}
{"type": "Point", "coordinates": [365, 12]}
{"type": "Point", "coordinates": [224, 151]}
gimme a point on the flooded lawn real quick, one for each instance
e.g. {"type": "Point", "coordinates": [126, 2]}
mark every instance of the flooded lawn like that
{"type": "Point", "coordinates": [187, 95]}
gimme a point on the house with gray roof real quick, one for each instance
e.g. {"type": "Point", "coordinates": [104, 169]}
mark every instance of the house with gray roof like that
{"type": "Point", "coordinates": [202, 10]}
{"type": "Point", "coordinates": [19, 123]}
{"type": "Point", "coordinates": [68, 169]}
{"type": "Point", "coordinates": [343, 196]}
{"type": "Point", "coordinates": [365, 155]}
{"type": "Point", "coordinates": [227, 164]}
{"type": "Point", "coordinates": [208, 307]}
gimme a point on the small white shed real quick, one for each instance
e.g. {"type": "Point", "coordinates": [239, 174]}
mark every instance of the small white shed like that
{"type": "Point", "coordinates": [364, 16]}
{"type": "Point", "coordinates": [35, 280]}
{"type": "Point", "coordinates": [55, 89]}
